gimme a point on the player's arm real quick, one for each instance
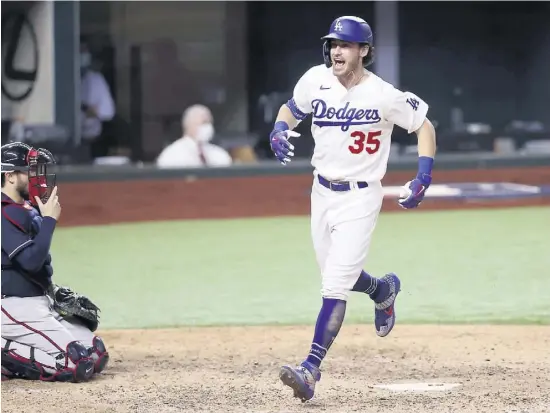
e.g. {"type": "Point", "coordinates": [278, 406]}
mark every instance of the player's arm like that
{"type": "Point", "coordinates": [410, 112]}
{"type": "Point", "coordinates": [286, 119]}
{"type": "Point", "coordinates": [426, 150]}
{"type": "Point", "coordinates": [426, 139]}
{"type": "Point", "coordinates": [29, 253]}
{"type": "Point", "coordinates": [290, 115]}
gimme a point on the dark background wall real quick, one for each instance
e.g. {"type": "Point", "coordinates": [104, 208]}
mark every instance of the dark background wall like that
{"type": "Point", "coordinates": [497, 53]}
{"type": "Point", "coordinates": [242, 59]}
{"type": "Point", "coordinates": [245, 58]}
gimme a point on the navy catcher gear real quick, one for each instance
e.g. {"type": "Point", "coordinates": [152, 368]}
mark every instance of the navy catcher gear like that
{"type": "Point", "coordinates": [26, 239]}
{"type": "Point", "coordinates": [20, 157]}
{"type": "Point", "coordinates": [349, 29]}
{"type": "Point", "coordinates": [99, 355]}
{"type": "Point", "coordinates": [74, 365]}
{"type": "Point", "coordinates": [84, 365]}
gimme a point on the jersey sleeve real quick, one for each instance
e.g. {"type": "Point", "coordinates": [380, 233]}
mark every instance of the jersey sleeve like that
{"type": "Point", "coordinates": [300, 103]}
{"type": "Point", "coordinates": [30, 253]}
{"type": "Point", "coordinates": [406, 110]}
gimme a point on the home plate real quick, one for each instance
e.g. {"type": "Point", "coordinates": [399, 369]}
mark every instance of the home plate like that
{"type": "Point", "coordinates": [418, 387]}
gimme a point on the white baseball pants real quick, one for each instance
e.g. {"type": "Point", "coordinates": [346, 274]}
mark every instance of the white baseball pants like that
{"type": "Point", "coordinates": [342, 225]}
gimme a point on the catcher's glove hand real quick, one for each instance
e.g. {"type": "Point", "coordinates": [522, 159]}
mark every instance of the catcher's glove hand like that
{"type": "Point", "coordinates": [69, 303]}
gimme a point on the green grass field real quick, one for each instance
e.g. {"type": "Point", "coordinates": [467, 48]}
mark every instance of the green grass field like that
{"type": "Point", "coordinates": [470, 266]}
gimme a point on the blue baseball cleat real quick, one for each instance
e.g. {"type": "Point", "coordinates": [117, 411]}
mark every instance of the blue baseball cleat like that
{"type": "Point", "coordinates": [301, 379]}
{"type": "Point", "coordinates": [384, 311]}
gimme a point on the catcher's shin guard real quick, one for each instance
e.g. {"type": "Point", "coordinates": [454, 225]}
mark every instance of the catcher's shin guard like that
{"type": "Point", "coordinates": [99, 354]}
{"type": "Point", "coordinates": [6, 374]}
{"type": "Point", "coordinates": [17, 366]}
{"type": "Point", "coordinates": [29, 363]}
{"type": "Point", "coordinates": [19, 361]}
{"type": "Point", "coordinates": [83, 364]}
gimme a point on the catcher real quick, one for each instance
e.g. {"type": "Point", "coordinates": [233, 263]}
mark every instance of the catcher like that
{"type": "Point", "coordinates": [47, 330]}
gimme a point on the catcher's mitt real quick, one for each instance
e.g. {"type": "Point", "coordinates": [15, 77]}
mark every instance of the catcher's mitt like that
{"type": "Point", "coordinates": [69, 303]}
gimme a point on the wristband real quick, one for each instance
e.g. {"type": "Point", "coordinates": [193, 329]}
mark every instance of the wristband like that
{"type": "Point", "coordinates": [425, 165]}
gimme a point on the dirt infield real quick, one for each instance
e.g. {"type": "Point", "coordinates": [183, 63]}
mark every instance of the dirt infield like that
{"type": "Point", "coordinates": [94, 203]}
{"type": "Point", "coordinates": [499, 368]}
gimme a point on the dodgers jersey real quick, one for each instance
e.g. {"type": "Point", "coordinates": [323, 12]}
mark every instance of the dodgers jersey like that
{"type": "Point", "coordinates": [352, 128]}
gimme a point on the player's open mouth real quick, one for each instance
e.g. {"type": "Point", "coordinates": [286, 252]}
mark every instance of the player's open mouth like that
{"type": "Point", "coordinates": [338, 63]}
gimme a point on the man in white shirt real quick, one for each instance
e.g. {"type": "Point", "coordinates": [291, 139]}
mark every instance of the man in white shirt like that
{"type": "Point", "coordinates": [194, 149]}
{"type": "Point", "coordinates": [97, 102]}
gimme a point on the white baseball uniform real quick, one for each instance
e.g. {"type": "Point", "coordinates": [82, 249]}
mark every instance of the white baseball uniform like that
{"type": "Point", "coordinates": [352, 133]}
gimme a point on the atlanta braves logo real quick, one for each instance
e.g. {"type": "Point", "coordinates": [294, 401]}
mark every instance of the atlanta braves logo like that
{"type": "Point", "coordinates": [344, 117]}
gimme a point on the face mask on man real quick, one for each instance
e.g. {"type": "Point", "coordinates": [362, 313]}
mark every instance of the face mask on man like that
{"type": "Point", "coordinates": [205, 133]}
{"type": "Point", "coordinates": [85, 60]}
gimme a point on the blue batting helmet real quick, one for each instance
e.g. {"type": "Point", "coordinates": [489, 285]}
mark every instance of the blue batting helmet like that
{"type": "Point", "coordinates": [349, 29]}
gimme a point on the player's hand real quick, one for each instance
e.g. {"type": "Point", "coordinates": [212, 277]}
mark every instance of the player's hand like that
{"type": "Point", "coordinates": [280, 145]}
{"type": "Point", "coordinates": [51, 208]}
{"type": "Point", "coordinates": [413, 192]}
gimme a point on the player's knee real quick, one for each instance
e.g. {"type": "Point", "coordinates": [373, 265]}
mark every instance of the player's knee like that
{"type": "Point", "coordinates": [335, 293]}
{"type": "Point", "coordinates": [74, 365]}
{"type": "Point", "coordinates": [338, 280]}
{"type": "Point", "coordinates": [81, 364]}
{"type": "Point", "coordinates": [99, 354]}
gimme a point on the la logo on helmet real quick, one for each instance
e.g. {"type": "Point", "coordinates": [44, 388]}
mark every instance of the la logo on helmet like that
{"type": "Point", "coordinates": [338, 26]}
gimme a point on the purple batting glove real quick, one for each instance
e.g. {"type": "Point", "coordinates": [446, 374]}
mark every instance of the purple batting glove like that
{"type": "Point", "coordinates": [278, 140]}
{"type": "Point", "coordinates": [415, 190]}
{"type": "Point", "coordinates": [414, 193]}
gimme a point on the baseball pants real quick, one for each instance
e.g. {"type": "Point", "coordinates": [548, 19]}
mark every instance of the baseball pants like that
{"type": "Point", "coordinates": [31, 327]}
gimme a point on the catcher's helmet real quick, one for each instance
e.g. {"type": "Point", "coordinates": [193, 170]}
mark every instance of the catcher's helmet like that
{"type": "Point", "coordinates": [20, 157]}
{"type": "Point", "coordinates": [349, 29]}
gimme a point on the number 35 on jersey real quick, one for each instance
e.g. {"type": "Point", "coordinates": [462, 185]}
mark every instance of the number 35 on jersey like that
{"type": "Point", "coordinates": [368, 142]}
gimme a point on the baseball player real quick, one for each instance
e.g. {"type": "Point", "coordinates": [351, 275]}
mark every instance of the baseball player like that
{"type": "Point", "coordinates": [353, 114]}
{"type": "Point", "coordinates": [47, 330]}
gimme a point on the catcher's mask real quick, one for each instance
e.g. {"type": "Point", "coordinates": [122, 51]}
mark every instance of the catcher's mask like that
{"type": "Point", "coordinates": [20, 157]}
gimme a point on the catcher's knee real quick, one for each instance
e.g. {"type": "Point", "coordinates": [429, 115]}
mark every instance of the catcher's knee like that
{"type": "Point", "coordinates": [99, 354]}
{"type": "Point", "coordinates": [79, 366]}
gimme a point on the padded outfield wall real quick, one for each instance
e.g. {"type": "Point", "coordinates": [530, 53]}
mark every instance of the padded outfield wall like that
{"type": "Point", "coordinates": [110, 195]}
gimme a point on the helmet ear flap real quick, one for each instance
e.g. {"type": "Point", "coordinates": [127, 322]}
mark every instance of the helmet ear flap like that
{"type": "Point", "coordinates": [369, 58]}
{"type": "Point", "coordinates": [326, 53]}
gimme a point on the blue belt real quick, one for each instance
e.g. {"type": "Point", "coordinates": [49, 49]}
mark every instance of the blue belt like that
{"type": "Point", "coordinates": [339, 186]}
